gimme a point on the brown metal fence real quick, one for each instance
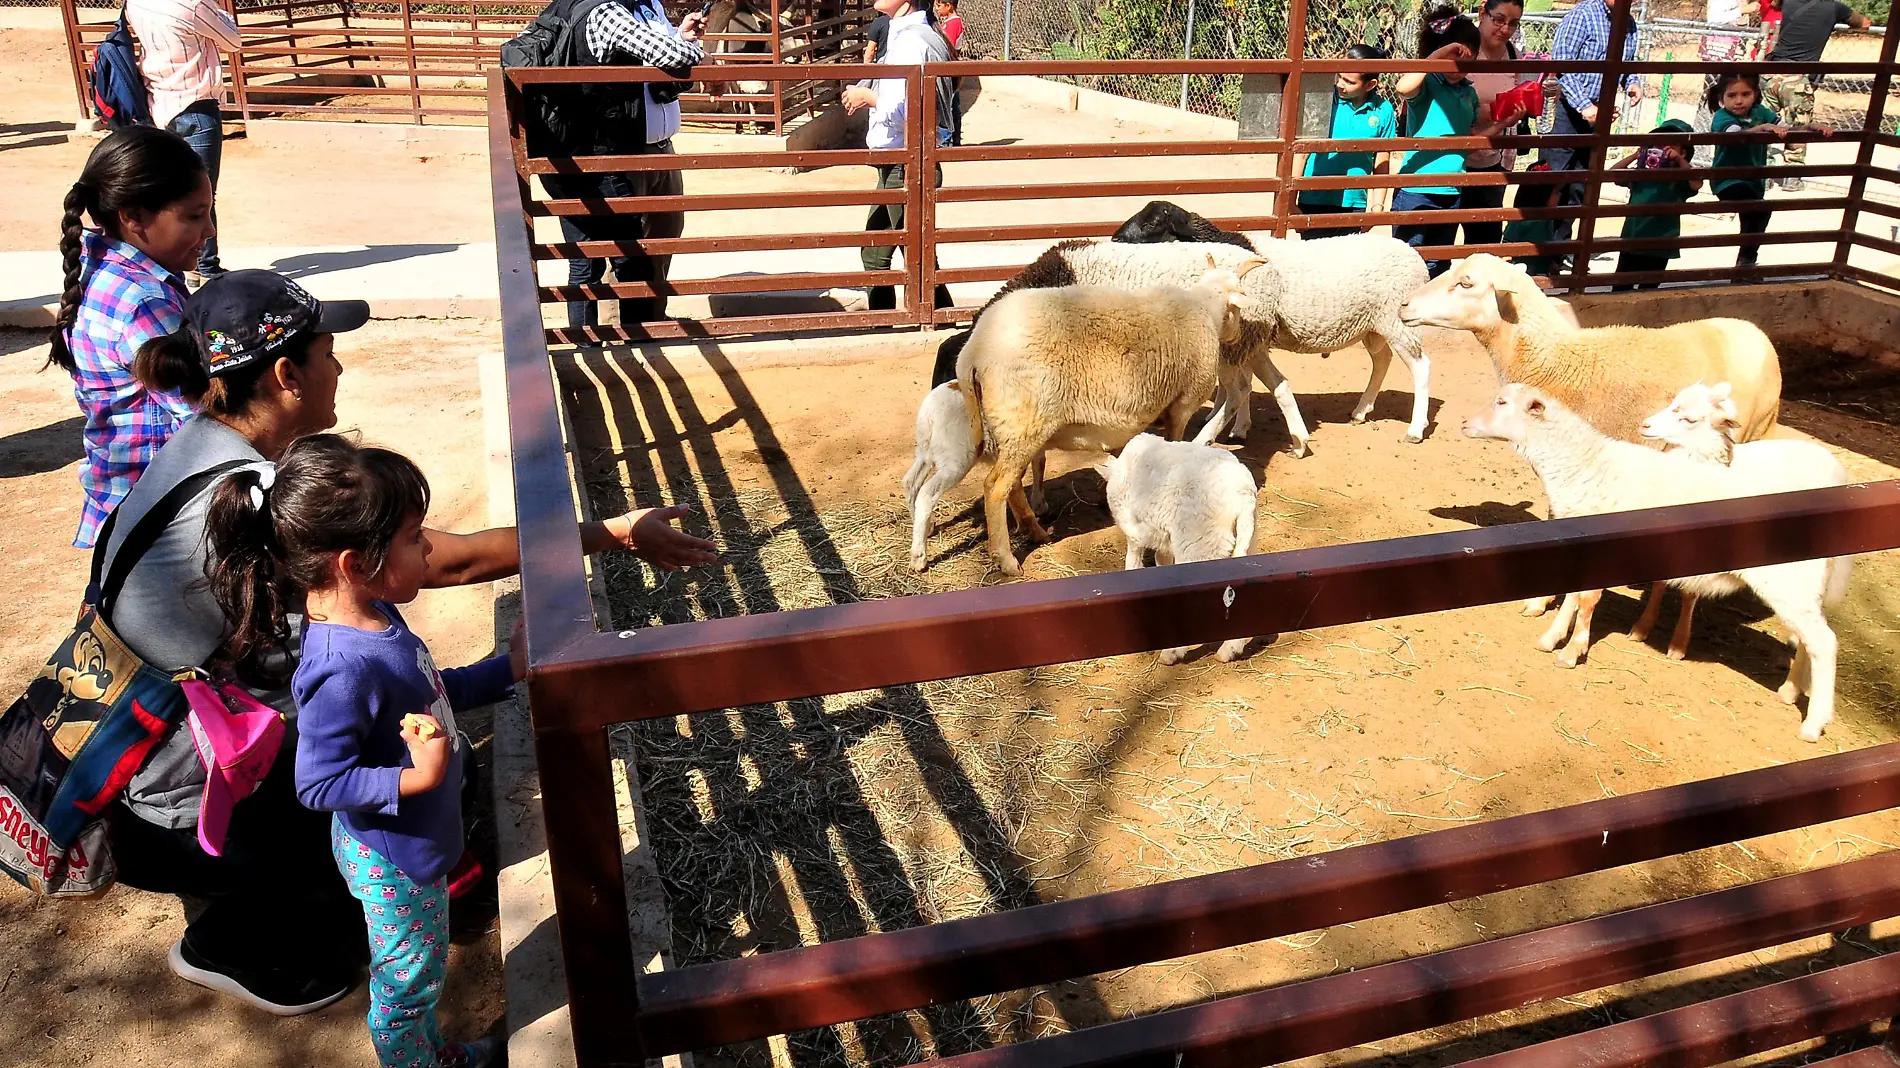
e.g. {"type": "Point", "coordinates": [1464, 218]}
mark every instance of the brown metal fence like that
{"type": "Point", "coordinates": [426, 61]}
{"type": "Point", "coordinates": [583, 681]}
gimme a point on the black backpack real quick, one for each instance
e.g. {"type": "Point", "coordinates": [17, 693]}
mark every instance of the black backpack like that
{"type": "Point", "coordinates": [561, 119]}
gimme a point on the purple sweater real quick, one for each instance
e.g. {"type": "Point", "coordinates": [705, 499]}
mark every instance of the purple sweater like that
{"type": "Point", "coordinates": [352, 688]}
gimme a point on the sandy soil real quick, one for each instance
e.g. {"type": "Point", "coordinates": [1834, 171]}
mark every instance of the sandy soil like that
{"type": "Point", "coordinates": [824, 819]}
{"type": "Point", "coordinates": [87, 982]}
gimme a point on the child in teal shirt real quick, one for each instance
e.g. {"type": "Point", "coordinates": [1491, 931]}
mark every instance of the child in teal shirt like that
{"type": "Point", "coordinates": [1440, 105]}
{"type": "Point", "coordinates": [1358, 112]}
{"type": "Point", "coordinates": [1735, 104]}
{"type": "Point", "coordinates": [1636, 227]}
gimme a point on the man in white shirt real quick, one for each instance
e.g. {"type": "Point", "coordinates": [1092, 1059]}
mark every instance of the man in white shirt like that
{"type": "Point", "coordinates": [184, 73]}
{"type": "Point", "coordinates": [913, 40]}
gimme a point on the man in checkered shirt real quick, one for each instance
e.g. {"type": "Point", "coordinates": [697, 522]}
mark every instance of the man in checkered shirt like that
{"type": "Point", "coordinates": [630, 32]}
{"type": "Point", "coordinates": [184, 73]}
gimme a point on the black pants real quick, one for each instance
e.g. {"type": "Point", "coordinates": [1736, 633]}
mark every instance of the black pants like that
{"type": "Point", "coordinates": [634, 266]}
{"type": "Point", "coordinates": [1631, 262]}
{"type": "Point", "coordinates": [1753, 222]}
{"type": "Point", "coordinates": [891, 217]}
{"type": "Point", "coordinates": [1482, 196]}
{"type": "Point", "coordinates": [1423, 235]}
{"type": "Point", "coordinates": [273, 901]}
{"type": "Point", "coordinates": [1565, 120]}
{"type": "Point", "coordinates": [1317, 233]}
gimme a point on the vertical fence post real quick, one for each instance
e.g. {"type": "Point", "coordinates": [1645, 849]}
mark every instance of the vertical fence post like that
{"type": "Point", "coordinates": [1607, 97]}
{"type": "Point", "coordinates": [1292, 104]}
{"type": "Point", "coordinates": [69, 14]}
{"type": "Point", "coordinates": [778, 56]}
{"type": "Point", "coordinates": [409, 54]}
{"type": "Point", "coordinates": [1009, 19]}
{"type": "Point", "coordinates": [920, 246]}
{"type": "Point", "coordinates": [1869, 136]}
{"type": "Point", "coordinates": [1187, 52]}
{"type": "Point", "coordinates": [238, 62]}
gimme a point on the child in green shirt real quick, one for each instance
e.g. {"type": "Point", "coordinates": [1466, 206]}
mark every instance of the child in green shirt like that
{"type": "Point", "coordinates": [1735, 104]}
{"type": "Point", "coordinates": [1359, 112]}
{"type": "Point", "coordinates": [1638, 227]}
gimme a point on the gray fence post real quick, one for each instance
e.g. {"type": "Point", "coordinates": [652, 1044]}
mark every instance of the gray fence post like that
{"type": "Point", "coordinates": [1009, 17]}
{"type": "Point", "coordinates": [1187, 52]}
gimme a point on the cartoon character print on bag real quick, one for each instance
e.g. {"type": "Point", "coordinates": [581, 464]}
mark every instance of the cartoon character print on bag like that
{"type": "Point", "coordinates": [439, 708]}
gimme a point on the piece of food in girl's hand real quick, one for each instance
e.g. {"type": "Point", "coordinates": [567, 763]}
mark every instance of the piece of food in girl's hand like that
{"type": "Point", "coordinates": [424, 726]}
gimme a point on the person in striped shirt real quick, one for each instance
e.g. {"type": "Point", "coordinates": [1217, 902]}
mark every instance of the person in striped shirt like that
{"type": "Point", "coordinates": [184, 73]}
{"type": "Point", "coordinates": [150, 200]}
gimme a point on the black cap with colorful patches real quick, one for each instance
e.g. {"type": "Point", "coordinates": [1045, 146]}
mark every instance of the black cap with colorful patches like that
{"type": "Point", "coordinates": [241, 317]}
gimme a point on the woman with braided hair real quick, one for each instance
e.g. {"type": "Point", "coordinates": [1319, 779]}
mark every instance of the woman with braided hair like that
{"type": "Point", "coordinates": [149, 199]}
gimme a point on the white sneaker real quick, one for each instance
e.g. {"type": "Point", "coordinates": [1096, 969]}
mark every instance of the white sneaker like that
{"type": "Point", "coordinates": [1791, 184]}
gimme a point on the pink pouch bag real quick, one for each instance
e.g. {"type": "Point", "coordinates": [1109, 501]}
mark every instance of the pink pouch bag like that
{"type": "Point", "coordinates": [238, 737]}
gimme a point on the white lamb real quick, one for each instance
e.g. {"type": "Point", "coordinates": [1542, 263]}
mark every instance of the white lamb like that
{"type": "Point", "coordinates": [946, 451]}
{"type": "Point", "coordinates": [1586, 473]}
{"type": "Point", "coordinates": [1186, 502]}
{"type": "Point", "coordinates": [1311, 296]}
{"type": "Point", "coordinates": [1088, 368]}
{"type": "Point", "coordinates": [1702, 422]}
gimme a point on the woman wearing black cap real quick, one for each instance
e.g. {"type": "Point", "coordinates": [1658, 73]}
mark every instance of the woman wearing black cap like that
{"type": "Point", "coordinates": [270, 921]}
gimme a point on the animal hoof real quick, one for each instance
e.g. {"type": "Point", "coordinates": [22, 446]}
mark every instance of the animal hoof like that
{"type": "Point", "coordinates": [1676, 654]}
{"type": "Point", "coordinates": [1547, 645]}
{"type": "Point", "coordinates": [1414, 439]}
{"type": "Point", "coordinates": [1810, 734]}
{"type": "Point", "coordinates": [1567, 659]}
{"type": "Point", "coordinates": [1537, 606]}
{"type": "Point", "coordinates": [1789, 693]}
{"type": "Point", "coordinates": [1639, 634]}
{"type": "Point", "coordinates": [917, 562]}
{"type": "Point", "coordinates": [1359, 417]}
{"type": "Point", "coordinates": [1300, 450]}
{"type": "Point", "coordinates": [1230, 651]}
{"type": "Point", "coordinates": [1008, 565]}
{"type": "Point", "coordinates": [1171, 657]}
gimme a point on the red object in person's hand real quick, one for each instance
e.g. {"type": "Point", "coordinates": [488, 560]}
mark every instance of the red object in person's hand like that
{"type": "Point", "coordinates": [1526, 97]}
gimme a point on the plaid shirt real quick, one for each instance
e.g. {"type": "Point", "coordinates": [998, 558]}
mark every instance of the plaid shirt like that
{"type": "Point", "coordinates": [1585, 34]}
{"type": "Point", "coordinates": [129, 300]}
{"type": "Point", "coordinates": [614, 35]}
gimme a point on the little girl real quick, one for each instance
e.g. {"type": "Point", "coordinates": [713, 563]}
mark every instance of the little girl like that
{"type": "Point", "coordinates": [1669, 157]}
{"type": "Point", "coordinates": [1735, 104]}
{"type": "Point", "coordinates": [1440, 105]}
{"type": "Point", "coordinates": [341, 527]}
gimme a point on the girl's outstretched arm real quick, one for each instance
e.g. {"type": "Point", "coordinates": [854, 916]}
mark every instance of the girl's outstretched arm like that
{"type": "Point", "coordinates": [487, 555]}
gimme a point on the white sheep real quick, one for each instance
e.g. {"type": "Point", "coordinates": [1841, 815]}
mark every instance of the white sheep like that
{"type": "Point", "coordinates": [946, 451]}
{"type": "Point", "coordinates": [1586, 473]}
{"type": "Point", "coordinates": [1613, 376]}
{"type": "Point", "coordinates": [1087, 368]}
{"type": "Point", "coordinates": [1185, 501]}
{"type": "Point", "coordinates": [1701, 421]}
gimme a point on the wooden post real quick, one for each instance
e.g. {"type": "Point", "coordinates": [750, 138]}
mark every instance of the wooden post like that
{"type": "Point", "coordinates": [409, 54]}
{"type": "Point", "coordinates": [1869, 137]}
{"type": "Point", "coordinates": [778, 56]}
{"type": "Point", "coordinates": [238, 60]}
{"type": "Point", "coordinates": [76, 53]}
{"type": "Point", "coordinates": [1292, 100]}
{"type": "Point", "coordinates": [1608, 96]}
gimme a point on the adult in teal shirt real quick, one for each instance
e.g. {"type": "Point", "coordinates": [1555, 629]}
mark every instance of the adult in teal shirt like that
{"type": "Point", "coordinates": [1359, 112]}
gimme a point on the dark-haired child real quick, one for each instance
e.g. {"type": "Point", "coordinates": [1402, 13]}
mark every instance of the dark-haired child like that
{"type": "Point", "coordinates": [1639, 227]}
{"type": "Point", "coordinates": [341, 527]}
{"type": "Point", "coordinates": [1359, 112]}
{"type": "Point", "coordinates": [1735, 104]}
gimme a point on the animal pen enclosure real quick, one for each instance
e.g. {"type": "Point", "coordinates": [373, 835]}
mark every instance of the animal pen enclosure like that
{"type": "Point", "coordinates": [422, 62]}
{"type": "Point", "coordinates": [588, 676]}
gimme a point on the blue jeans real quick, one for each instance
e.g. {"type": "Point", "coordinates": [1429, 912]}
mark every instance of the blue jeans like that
{"type": "Point", "coordinates": [1483, 196]}
{"type": "Point", "coordinates": [632, 264]}
{"type": "Point", "coordinates": [1421, 236]}
{"type": "Point", "coordinates": [202, 127]}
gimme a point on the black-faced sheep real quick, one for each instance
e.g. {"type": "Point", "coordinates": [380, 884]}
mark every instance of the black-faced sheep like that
{"type": "Point", "coordinates": [1162, 222]}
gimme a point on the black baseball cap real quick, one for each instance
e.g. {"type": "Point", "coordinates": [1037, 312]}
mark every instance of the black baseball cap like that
{"type": "Point", "coordinates": [241, 317]}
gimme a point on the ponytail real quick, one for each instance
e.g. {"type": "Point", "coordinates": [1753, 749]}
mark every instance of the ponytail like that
{"type": "Point", "coordinates": [245, 576]}
{"type": "Point", "coordinates": [78, 200]}
{"type": "Point", "coordinates": [170, 363]}
{"type": "Point", "coordinates": [139, 168]}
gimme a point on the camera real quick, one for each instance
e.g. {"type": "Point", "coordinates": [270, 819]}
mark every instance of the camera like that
{"type": "Point", "coordinates": [1655, 157]}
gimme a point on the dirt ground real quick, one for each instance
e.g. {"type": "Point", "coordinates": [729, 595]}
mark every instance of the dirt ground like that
{"type": "Point", "coordinates": [825, 819]}
{"type": "Point", "coordinates": [86, 982]}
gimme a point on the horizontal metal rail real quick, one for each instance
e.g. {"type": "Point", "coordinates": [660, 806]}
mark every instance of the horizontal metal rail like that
{"type": "Point", "coordinates": [774, 993]}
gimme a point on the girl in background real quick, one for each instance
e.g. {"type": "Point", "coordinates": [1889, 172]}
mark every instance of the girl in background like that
{"type": "Point", "coordinates": [1358, 112]}
{"type": "Point", "coordinates": [1735, 104]}
{"type": "Point", "coordinates": [149, 198]}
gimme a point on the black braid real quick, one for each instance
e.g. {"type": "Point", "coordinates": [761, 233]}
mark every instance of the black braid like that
{"type": "Point", "coordinates": [78, 201]}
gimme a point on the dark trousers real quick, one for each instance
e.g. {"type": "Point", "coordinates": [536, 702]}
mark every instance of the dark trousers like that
{"type": "Point", "coordinates": [273, 902]}
{"type": "Point", "coordinates": [1320, 232]}
{"type": "Point", "coordinates": [1427, 234]}
{"type": "Point", "coordinates": [1631, 262]}
{"type": "Point", "coordinates": [891, 217]}
{"type": "Point", "coordinates": [202, 127]}
{"type": "Point", "coordinates": [1483, 196]}
{"type": "Point", "coordinates": [1564, 120]}
{"type": "Point", "coordinates": [630, 265]}
{"type": "Point", "coordinates": [1753, 222]}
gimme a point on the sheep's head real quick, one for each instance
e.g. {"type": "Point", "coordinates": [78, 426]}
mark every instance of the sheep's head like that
{"type": "Point", "coordinates": [1516, 412]}
{"type": "Point", "coordinates": [1696, 411]}
{"type": "Point", "coordinates": [1477, 295]}
{"type": "Point", "coordinates": [1231, 285]}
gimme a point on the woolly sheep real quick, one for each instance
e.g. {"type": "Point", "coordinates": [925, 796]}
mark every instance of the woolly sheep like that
{"type": "Point", "coordinates": [946, 452]}
{"type": "Point", "coordinates": [1701, 422]}
{"type": "Point", "coordinates": [1587, 473]}
{"type": "Point", "coordinates": [1185, 501]}
{"type": "Point", "coordinates": [1612, 376]}
{"type": "Point", "coordinates": [1088, 368]}
{"type": "Point", "coordinates": [1313, 296]}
